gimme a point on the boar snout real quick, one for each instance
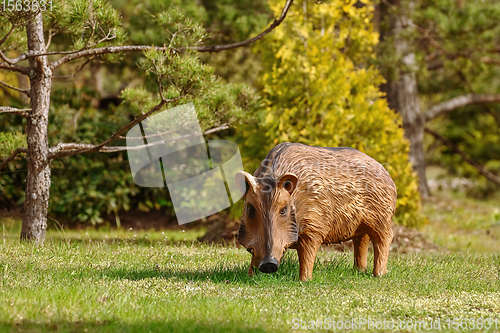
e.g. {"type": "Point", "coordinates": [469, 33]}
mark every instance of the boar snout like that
{"type": "Point", "coordinates": [269, 265]}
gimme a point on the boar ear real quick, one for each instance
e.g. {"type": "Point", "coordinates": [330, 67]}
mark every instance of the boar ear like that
{"type": "Point", "coordinates": [288, 181]}
{"type": "Point", "coordinates": [245, 181]}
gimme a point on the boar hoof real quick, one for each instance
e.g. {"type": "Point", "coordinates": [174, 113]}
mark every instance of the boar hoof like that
{"type": "Point", "coordinates": [269, 265]}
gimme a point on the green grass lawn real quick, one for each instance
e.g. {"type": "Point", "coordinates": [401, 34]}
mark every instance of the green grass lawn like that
{"type": "Point", "coordinates": [458, 223]}
{"type": "Point", "coordinates": [127, 281]}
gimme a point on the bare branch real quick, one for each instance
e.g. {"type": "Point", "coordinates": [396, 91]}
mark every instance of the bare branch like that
{"type": "Point", "coordinates": [19, 112]}
{"type": "Point", "coordinates": [133, 123]}
{"type": "Point", "coordinates": [210, 131]}
{"type": "Point", "coordinates": [434, 64]}
{"type": "Point", "coordinates": [102, 50]}
{"type": "Point", "coordinates": [136, 48]}
{"type": "Point", "coordinates": [388, 4]}
{"type": "Point", "coordinates": [16, 68]}
{"type": "Point", "coordinates": [24, 91]}
{"type": "Point", "coordinates": [4, 58]}
{"type": "Point", "coordinates": [31, 54]}
{"type": "Point", "coordinates": [22, 57]}
{"type": "Point", "coordinates": [485, 107]}
{"type": "Point", "coordinates": [49, 38]}
{"type": "Point", "coordinates": [274, 24]}
{"type": "Point", "coordinates": [69, 149]}
{"type": "Point", "coordinates": [8, 34]}
{"type": "Point", "coordinates": [2, 55]}
{"type": "Point", "coordinates": [12, 156]}
{"type": "Point", "coordinates": [458, 102]}
{"type": "Point", "coordinates": [490, 61]}
{"type": "Point", "coordinates": [77, 71]}
{"type": "Point", "coordinates": [217, 129]}
{"type": "Point", "coordinates": [482, 170]}
{"type": "Point", "coordinates": [116, 135]}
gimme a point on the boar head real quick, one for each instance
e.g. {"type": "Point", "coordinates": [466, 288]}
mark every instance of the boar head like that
{"type": "Point", "coordinates": [268, 226]}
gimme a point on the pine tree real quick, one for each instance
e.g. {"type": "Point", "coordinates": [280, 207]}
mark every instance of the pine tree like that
{"type": "Point", "coordinates": [88, 30]}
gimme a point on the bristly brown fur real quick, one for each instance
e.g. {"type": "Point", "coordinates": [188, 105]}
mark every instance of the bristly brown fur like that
{"type": "Point", "coordinates": [340, 194]}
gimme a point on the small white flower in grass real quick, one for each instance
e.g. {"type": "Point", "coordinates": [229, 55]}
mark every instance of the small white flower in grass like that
{"type": "Point", "coordinates": [190, 288]}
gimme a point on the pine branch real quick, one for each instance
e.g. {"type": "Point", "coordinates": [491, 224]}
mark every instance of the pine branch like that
{"type": "Point", "coordinates": [136, 48]}
{"type": "Point", "coordinates": [19, 112]}
{"type": "Point", "coordinates": [24, 91]}
{"type": "Point", "coordinates": [458, 102]}
{"type": "Point", "coordinates": [482, 170]}
{"type": "Point", "coordinates": [12, 156]}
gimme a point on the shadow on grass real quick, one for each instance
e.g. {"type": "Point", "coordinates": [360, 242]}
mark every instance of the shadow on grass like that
{"type": "Point", "coordinates": [114, 325]}
{"type": "Point", "coordinates": [118, 241]}
{"type": "Point", "coordinates": [238, 273]}
{"type": "Point", "coordinates": [222, 273]}
{"type": "Point", "coordinates": [218, 274]}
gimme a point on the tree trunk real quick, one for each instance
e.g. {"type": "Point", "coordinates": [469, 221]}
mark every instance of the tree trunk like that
{"type": "Point", "coordinates": [403, 97]}
{"type": "Point", "coordinates": [402, 92]}
{"type": "Point", "coordinates": [38, 179]}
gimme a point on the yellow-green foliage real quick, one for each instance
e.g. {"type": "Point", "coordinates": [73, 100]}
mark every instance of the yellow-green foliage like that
{"type": "Point", "coordinates": [320, 91]}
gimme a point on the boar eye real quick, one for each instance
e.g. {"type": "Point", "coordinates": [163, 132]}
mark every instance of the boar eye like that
{"type": "Point", "coordinates": [250, 211]}
{"type": "Point", "coordinates": [283, 210]}
{"type": "Point", "coordinates": [250, 251]}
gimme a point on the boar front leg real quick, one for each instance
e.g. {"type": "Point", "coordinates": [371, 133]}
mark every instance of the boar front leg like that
{"type": "Point", "coordinates": [250, 271]}
{"type": "Point", "coordinates": [307, 248]}
{"type": "Point", "coordinates": [381, 246]}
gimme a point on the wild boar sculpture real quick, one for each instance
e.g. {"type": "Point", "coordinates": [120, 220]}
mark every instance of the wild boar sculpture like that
{"type": "Point", "coordinates": [301, 197]}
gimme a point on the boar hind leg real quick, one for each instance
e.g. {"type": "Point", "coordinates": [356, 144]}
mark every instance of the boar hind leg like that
{"type": "Point", "coordinates": [381, 247]}
{"type": "Point", "coordinates": [307, 250]}
{"type": "Point", "coordinates": [361, 252]}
